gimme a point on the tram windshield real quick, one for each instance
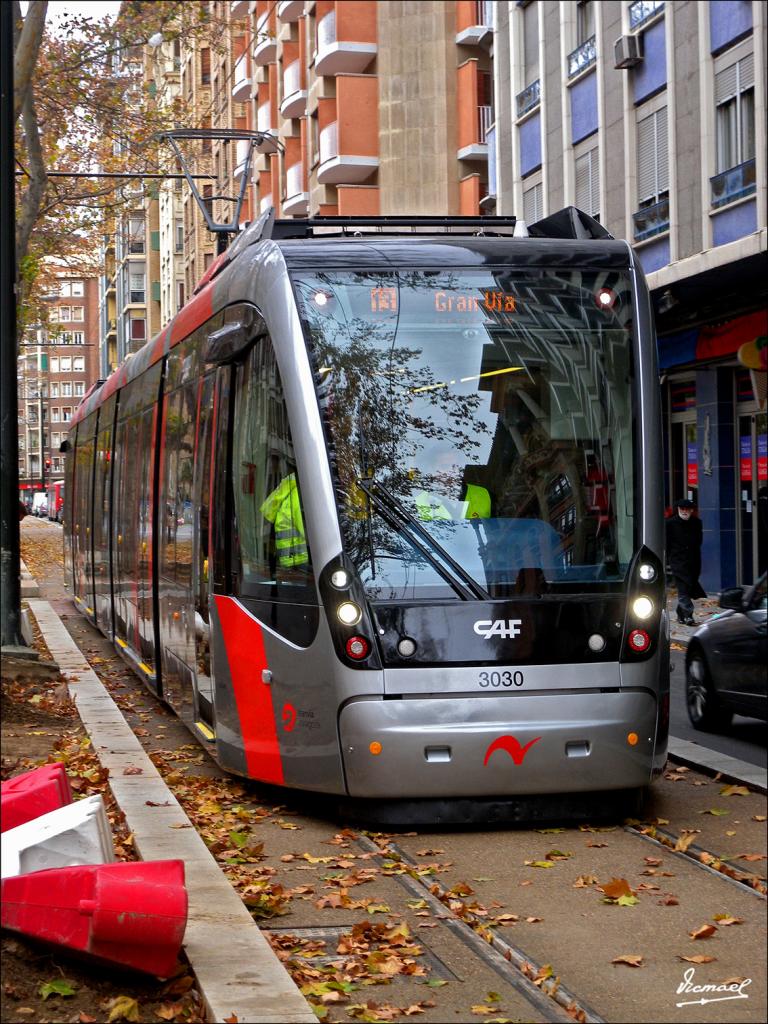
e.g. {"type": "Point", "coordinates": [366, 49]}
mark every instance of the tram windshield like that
{"type": "Point", "coordinates": [481, 426]}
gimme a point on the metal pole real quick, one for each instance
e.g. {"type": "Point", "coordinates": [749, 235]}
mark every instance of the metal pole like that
{"type": "Point", "coordinates": [42, 435]}
{"type": "Point", "coordinates": [10, 585]}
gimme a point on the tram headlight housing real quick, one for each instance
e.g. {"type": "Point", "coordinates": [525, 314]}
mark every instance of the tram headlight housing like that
{"type": "Point", "coordinates": [643, 607]}
{"type": "Point", "coordinates": [340, 579]}
{"type": "Point", "coordinates": [349, 613]}
{"type": "Point", "coordinates": [647, 572]}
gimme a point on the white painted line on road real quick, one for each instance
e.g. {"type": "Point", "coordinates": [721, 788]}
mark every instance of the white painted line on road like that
{"type": "Point", "coordinates": [237, 972]}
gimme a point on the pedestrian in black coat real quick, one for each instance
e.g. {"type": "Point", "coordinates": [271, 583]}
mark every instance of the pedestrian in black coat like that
{"type": "Point", "coordinates": [684, 535]}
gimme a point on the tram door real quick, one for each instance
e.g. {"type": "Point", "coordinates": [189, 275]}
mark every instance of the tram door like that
{"type": "Point", "coordinates": [753, 495]}
{"type": "Point", "coordinates": [182, 549]}
{"type": "Point", "coordinates": [81, 517]}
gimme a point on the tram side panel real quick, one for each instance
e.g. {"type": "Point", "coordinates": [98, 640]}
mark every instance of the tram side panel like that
{"type": "Point", "coordinates": [133, 531]}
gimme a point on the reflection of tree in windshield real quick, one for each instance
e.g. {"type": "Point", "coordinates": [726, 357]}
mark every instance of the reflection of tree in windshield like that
{"type": "Point", "coordinates": [388, 409]}
{"type": "Point", "coordinates": [493, 406]}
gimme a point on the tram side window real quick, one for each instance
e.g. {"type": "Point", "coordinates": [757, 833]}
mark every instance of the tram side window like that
{"type": "Point", "coordinates": [270, 555]}
{"type": "Point", "coordinates": [177, 509]}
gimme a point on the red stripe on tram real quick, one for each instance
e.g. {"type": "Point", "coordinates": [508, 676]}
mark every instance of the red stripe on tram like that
{"type": "Point", "coordinates": [244, 644]}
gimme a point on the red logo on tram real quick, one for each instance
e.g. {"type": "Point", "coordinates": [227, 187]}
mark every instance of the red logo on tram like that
{"type": "Point", "coordinates": [512, 747]}
{"type": "Point", "coordinates": [289, 717]}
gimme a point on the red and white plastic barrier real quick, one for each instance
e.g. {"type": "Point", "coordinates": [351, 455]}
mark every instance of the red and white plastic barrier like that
{"type": "Point", "coordinates": [31, 794]}
{"type": "Point", "coordinates": [131, 913]}
{"type": "Point", "coordinates": [59, 885]}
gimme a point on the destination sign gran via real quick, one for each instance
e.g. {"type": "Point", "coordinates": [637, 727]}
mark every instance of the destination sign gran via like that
{"type": "Point", "coordinates": [384, 300]}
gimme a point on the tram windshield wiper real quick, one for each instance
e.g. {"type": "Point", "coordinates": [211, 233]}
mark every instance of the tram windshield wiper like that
{"type": "Point", "coordinates": [401, 519]}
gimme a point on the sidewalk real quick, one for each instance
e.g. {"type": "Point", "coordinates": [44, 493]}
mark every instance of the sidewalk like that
{"type": "Point", "coordinates": [704, 609]}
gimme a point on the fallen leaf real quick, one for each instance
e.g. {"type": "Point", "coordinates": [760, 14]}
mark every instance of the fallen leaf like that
{"type": "Point", "coordinates": [726, 919]}
{"type": "Point", "coordinates": [717, 811]}
{"type": "Point", "coordinates": [630, 959]}
{"type": "Point", "coordinates": [616, 888]}
{"type": "Point", "coordinates": [750, 856]}
{"type": "Point", "coordinates": [705, 932]}
{"type": "Point", "coordinates": [123, 1008]}
{"type": "Point", "coordinates": [60, 987]}
{"type": "Point", "coordinates": [700, 959]}
{"type": "Point", "coordinates": [583, 881]}
{"type": "Point", "coordinates": [669, 901]}
{"type": "Point", "coordinates": [132, 770]}
{"type": "Point", "coordinates": [539, 863]}
{"type": "Point", "coordinates": [684, 842]}
{"type": "Point", "coordinates": [734, 791]}
{"type": "Point", "coordinates": [759, 817]}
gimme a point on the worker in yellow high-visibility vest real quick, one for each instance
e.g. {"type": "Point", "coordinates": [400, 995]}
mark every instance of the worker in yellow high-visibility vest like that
{"type": "Point", "coordinates": [476, 505]}
{"type": "Point", "coordinates": [282, 508]}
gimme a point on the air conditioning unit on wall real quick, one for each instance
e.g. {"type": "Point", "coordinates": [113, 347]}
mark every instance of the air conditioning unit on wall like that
{"type": "Point", "coordinates": [627, 51]}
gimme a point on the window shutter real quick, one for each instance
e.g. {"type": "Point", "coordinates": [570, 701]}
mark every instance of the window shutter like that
{"type": "Point", "coordinates": [747, 73]}
{"type": "Point", "coordinates": [646, 159]}
{"type": "Point", "coordinates": [725, 84]}
{"type": "Point", "coordinates": [531, 43]}
{"type": "Point", "coordinates": [588, 183]}
{"type": "Point", "coordinates": [532, 204]}
{"type": "Point", "coordinates": [662, 153]}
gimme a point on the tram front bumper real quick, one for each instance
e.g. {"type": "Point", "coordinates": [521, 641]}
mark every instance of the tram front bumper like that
{"type": "Point", "coordinates": [500, 745]}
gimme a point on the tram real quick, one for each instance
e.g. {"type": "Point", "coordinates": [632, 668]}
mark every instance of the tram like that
{"type": "Point", "coordinates": [379, 513]}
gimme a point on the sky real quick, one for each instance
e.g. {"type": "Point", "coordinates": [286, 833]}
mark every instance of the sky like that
{"type": "Point", "coordinates": [85, 8]}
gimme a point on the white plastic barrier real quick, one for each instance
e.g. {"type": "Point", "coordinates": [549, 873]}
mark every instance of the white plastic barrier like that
{"type": "Point", "coordinates": [76, 834]}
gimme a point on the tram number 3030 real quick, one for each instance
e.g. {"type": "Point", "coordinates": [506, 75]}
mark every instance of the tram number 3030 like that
{"type": "Point", "coordinates": [500, 679]}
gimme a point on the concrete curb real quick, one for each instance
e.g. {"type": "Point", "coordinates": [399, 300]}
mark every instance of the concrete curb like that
{"type": "Point", "coordinates": [237, 972]}
{"type": "Point", "coordinates": [731, 768]}
{"type": "Point", "coordinates": [29, 586]}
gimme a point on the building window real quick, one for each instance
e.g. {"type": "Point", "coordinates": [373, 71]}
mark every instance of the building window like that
{"type": "Point", "coordinates": [136, 287]}
{"type": "Point", "coordinates": [55, 440]}
{"type": "Point", "coordinates": [205, 66]}
{"type": "Point", "coordinates": [136, 230]}
{"type": "Point", "coordinates": [734, 132]}
{"type": "Point", "coordinates": [79, 388]}
{"type": "Point", "coordinates": [77, 288]}
{"type": "Point", "coordinates": [65, 314]}
{"type": "Point", "coordinates": [138, 330]}
{"type": "Point", "coordinates": [179, 236]}
{"type": "Point", "coordinates": [66, 414]}
{"type": "Point", "coordinates": [585, 21]}
{"type": "Point", "coordinates": [179, 294]}
{"type": "Point", "coordinates": [587, 167]}
{"type": "Point", "coordinates": [54, 390]}
{"type": "Point", "coordinates": [78, 364]}
{"type": "Point", "coordinates": [78, 338]}
{"type": "Point", "coordinates": [530, 16]}
{"type": "Point", "coordinates": [54, 415]}
{"type": "Point", "coordinates": [66, 389]}
{"type": "Point", "coordinates": [652, 176]}
{"type": "Point", "coordinates": [54, 364]}
{"type": "Point", "coordinates": [78, 313]}
{"type": "Point", "coordinates": [66, 364]}
{"type": "Point", "coordinates": [533, 204]}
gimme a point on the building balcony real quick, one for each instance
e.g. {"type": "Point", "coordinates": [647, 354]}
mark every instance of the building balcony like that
{"type": "Point", "coordinates": [341, 168]}
{"type": "Point", "coordinates": [651, 220]}
{"type": "Point", "coordinates": [481, 29]}
{"type": "Point", "coordinates": [582, 57]}
{"type": "Point", "coordinates": [264, 124]}
{"type": "Point", "coordinates": [340, 56]}
{"type": "Point", "coordinates": [265, 45]}
{"type": "Point", "coordinates": [241, 155]}
{"type": "Point", "coordinates": [265, 203]}
{"type": "Point", "coordinates": [733, 184]}
{"type": "Point", "coordinates": [529, 98]}
{"type": "Point", "coordinates": [238, 9]}
{"type": "Point", "coordinates": [241, 90]}
{"type": "Point", "coordinates": [290, 10]}
{"type": "Point", "coordinates": [296, 199]}
{"type": "Point", "coordinates": [294, 97]}
{"type": "Point", "coordinates": [642, 11]}
{"type": "Point", "coordinates": [478, 150]}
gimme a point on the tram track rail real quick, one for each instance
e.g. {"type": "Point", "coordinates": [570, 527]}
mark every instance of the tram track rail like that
{"type": "Point", "coordinates": [513, 964]}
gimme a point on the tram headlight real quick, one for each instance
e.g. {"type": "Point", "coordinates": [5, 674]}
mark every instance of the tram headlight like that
{"type": "Point", "coordinates": [340, 579]}
{"type": "Point", "coordinates": [647, 572]}
{"type": "Point", "coordinates": [596, 643]}
{"type": "Point", "coordinates": [349, 613]}
{"type": "Point", "coordinates": [642, 607]}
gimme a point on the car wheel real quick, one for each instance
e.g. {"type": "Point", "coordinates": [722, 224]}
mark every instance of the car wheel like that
{"type": "Point", "coordinates": [704, 709]}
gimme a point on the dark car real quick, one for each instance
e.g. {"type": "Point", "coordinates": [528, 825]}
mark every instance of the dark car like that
{"type": "Point", "coordinates": [726, 666]}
